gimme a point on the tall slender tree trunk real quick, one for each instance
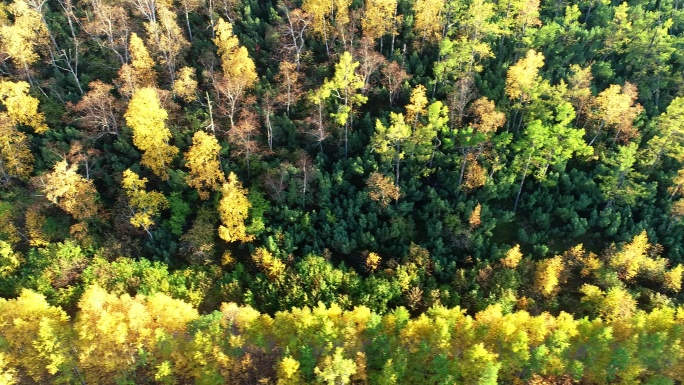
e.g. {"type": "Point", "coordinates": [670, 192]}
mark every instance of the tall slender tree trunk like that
{"type": "Point", "coordinates": [463, 166]}
{"type": "Point", "coordinates": [187, 23]}
{"type": "Point", "coordinates": [522, 182]}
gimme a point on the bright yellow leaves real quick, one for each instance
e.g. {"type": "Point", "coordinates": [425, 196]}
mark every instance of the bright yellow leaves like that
{"type": "Point", "coordinates": [185, 84]}
{"type": "Point", "coordinates": [549, 275]}
{"type": "Point", "coordinates": [288, 372]}
{"type": "Point", "coordinates": [344, 86]}
{"type": "Point", "coordinates": [114, 330]}
{"type": "Point", "coordinates": [614, 304]}
{"type": "Point", "coordinates": [8, 376]}
{"type": "Point", "coordinates": [144, 205]}
{"type": "Point", "coordinates": [523, 78]}
{"type": "Point", "coordinates": [428, 19]}
{"type": "Point", "coordinates": [239, 71]}
{"type": "Point", "coordinates": [205, 168]}
{"type": "Point", "coordinates": [147, 119]}
{"type": "Point", "coordinates": [22, 108]}
{"type": "Point", "coordinates": [324, 12]}
{"type": "Point", "coordinates": [140, 73]}
{"type": "Point", "coordinates": [235, 61]}
{"type": "Point", "coordinates": [21, 39]}
{"type": "Point", "coordinates": [16, 160]}
{"type": "Point", "coordinates": [513, 257]}
{"type": "Point", "coordinates": [633, 260]}
{"type": "Point", "coordinates": [335, 369]}
{"type": "Point", "coordinates": [273, 267]}
{"type": "Point", "coordinates": [10, 260]}
{"type": "Point", "coordinates": [615, 108]}
{"type": "Point", "coordinates": [417, 106]}
{"type": "Point", "coordinates": [120, 339]}
{"type": "Point", "coordinates": [234, 209]}
{"type": "Point", "coordinates": [140, 57]}
{"type": "Point", "coordinates": [373, 261]}
{"type": "Point", "coordinates": [379, 19]}
{"type": "Point", "coordinates": [70, 191]}
{"type": "Point", "coordinates": [35, 334]}
{"type": "Point", "coordinates": [672, 280]}
{"type": "Point", "coordinates": [225, 41]}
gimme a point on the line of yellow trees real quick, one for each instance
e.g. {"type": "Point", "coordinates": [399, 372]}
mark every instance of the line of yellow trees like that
{"type": "Point", "coordinates": [156, 339]}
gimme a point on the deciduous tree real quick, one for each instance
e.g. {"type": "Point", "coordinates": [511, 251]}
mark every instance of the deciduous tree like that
{"type": "Point", "coordinates": [166, 38]}
{"type": "Point", "coordinates": [203, 161]}
{"type": "Point", "coordinates": [144, 205]}
{"type": "Point", "coordinates": [66, 188]}
{"type": "Point", "coordinates": [147, 119]}
{"type": "Point", "coordinates": [111, 23]}
{"type": "Point", "coordinates": [239, 71]}
{"type": "Point", "coordinates": [185, 85]}
{"type": "Point", "coordinates": [393, 76]}
{"type": "Point", "coordinates": [233, 210]}
{"type": "Point", "coordinates": [21, 107]}
{"type": "Point", "coordinates": [669, 137]}
{"type": "Point", "coordinates": [344, 87]}
{"type": "Point", "coordinates": [99, 111]}
{"type": "Point", "coordinates": [140, 72]}
{"type": "Point", "coordinates": [293, 29]}
{"type": "Point", "coordinates": [22, 39]}
{"type": "Point", "coordinates": [388, 141]}
{"type": "Point", "coordinates": [428, 19]}
{"type": "Point", "coordinates": [380, 19]}
{"type": "Point", "coordinates": [616, 108]}
{"type": "Point", "coordinates": [243, 136]}
{"type": "Point", "coordinates": [382, 189]}
{"type": "Point", "coordinates": [289, 85]}
{"type": "Point", "coordinates": [16, 159]}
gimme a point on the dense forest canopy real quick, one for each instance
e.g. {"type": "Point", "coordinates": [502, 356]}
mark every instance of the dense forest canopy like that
{"type": "Point", "coordinates": [341, 191]}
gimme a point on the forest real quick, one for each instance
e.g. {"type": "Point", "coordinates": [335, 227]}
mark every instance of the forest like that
{"type": "Point", "coordinates": [341, 192]}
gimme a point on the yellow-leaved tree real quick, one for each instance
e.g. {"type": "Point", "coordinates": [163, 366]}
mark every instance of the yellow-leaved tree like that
{"type": "Point", "coordinates": [147, 118]}
{"type": "Point", "coordinates": [35, 335]}
{"type": "Point", "coordinates": [239, 71]}
{"type": "Point", "coordinates": [114, 331]}
{"type": "Point", "coordinates": [16, 160]}
{"type": "Point", "coordinates": [166, 38]}
{"type": "Point", "coordinates": [616, 108]}
{"type": "Point", "coordinates": [234, 209]}
{"type": "Point", "coordinates": [428, 19]}
{"type": "Point", "coordinates": [380, 19]}
{"type": "Point", "coordinates": [22, 108]}
{"type": "Point", "coordinates": [144, 205]}
{"type": "Point", "coordinates": [185, 84]}
{"type": "Point", "coordinates": [202, 160]}
{"type": "Point", "coordinates": [140, 73]}
{"type": "Point", "coordinates": [523, 79]}
{"type": "Point", "coordinates": [549, 275]}
{"type": "Point", "coordinates": [19, 40]}
{"type": "Point", "coordinates": [66, 188]}
{"type": "Point", "coordinates": [382, 189]}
